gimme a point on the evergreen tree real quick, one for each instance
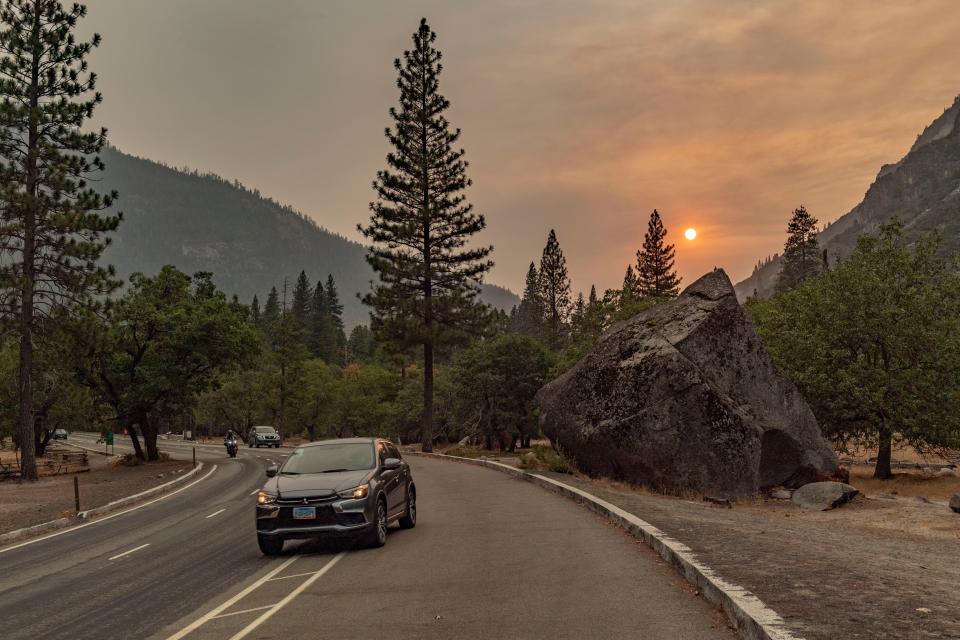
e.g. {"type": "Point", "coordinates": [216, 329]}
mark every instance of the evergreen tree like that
{"type": "Point", "coordinates": [655, 273]}
{"type": "Point", "coordinates": [629, 288]}
{"type": "Point", "coordinates": [51, 231]}
{"type": "Point", "coordinates": [334, 310]}
{"type": "Point", "coordinates": [529, 319]}
{"type": "Point", "coordinates": [255, 311]}
{"type": "Point", "coordinates": [592, 300]}
{"type": "Point", "coordinates": [271, 310]}
{"type": "Point", "coordinates": [302, 296]}
{"type": "Point", "coordinates": [801, 252]}
{"type": "Point", "coordinates": [579, 311]}
{"type": "Point", "coordinates": [319, 323]}
{"type": "Point", "coordinates": [553, 284]}
{"type": "Point", "coordinates": [421, 224]}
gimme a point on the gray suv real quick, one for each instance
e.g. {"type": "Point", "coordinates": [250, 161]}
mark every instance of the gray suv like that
{"type": "Point", "coordinates": [354, 487]}
{"type": "Point", "coordinates": [263, 437]}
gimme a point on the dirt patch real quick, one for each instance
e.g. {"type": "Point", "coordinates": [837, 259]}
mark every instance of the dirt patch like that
{"type": "Point", "coordinates": [27, 504]}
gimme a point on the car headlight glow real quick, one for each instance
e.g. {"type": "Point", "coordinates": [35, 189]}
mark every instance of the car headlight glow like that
{"type": "Point", "coordinates": [265, 498]}
{"type": "Point", "coordinates": [356, 493]}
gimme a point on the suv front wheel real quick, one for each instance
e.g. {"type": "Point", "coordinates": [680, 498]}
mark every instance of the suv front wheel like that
{"type": "Point", "coordinates": [377, 537]}
{"type": "Point", "coordinates": [270, 545]}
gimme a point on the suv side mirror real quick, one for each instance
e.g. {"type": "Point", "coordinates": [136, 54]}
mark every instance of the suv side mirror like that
{"type": "Point", "coordinates": [272, 470]}
{"type": "Point", "coordinates": [391, 464]}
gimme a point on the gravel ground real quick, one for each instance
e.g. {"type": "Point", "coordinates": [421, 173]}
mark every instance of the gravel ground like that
{"type": "Point", "coordinates": [875, 568]}
{"type": "Point", "coordinates": [26, 504]}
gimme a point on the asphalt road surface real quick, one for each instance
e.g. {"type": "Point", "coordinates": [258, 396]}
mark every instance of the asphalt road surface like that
{"type": "Point", "coordinates": [490, 557]}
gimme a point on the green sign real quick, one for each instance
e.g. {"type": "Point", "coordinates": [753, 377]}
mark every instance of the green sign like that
{"type": "Point", "coordinates": [110, 436]}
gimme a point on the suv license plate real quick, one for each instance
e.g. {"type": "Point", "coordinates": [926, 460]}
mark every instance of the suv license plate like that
{"type": "Point", "coordinates": [304, 513]}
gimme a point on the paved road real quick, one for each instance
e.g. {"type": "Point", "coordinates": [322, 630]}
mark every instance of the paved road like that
{"type": "Point", "coordinates": [490, 558]}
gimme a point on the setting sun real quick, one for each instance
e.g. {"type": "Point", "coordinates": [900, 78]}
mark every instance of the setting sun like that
{"type": "Point", "coordinates": [690, 234]}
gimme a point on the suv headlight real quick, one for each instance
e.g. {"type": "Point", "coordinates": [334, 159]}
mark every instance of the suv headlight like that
{"type": "Point", "coordinates": [356, 493]}
{"type": "Point", "coordinates": [265, 498]}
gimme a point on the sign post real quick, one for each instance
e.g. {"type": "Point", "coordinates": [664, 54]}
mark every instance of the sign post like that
{"type": "Point", "coordinates": [108, 441]}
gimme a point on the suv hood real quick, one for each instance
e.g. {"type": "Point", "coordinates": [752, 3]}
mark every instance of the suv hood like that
{"type": "Point", "coordinates": [317, 484]}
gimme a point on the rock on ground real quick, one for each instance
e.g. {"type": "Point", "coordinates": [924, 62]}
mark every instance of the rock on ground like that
{"type": "Point", "coordinates": [821, 496]}
{"type": "Point", "coordinates": [685, 396]}
{"type": "Point", "coordinates": [955, 503]}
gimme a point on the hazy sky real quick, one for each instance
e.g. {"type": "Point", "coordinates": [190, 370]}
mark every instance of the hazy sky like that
{"type": "Point", "coordinates": [577, 115]}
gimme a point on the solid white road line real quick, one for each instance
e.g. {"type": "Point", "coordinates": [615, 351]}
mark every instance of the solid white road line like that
{"type": "Point", "coordinates": [109, 517]}
{"type": "Point", "coordinates": [126, 553]}
{"type": "Point", "coordinates": [290, 596]}
{"type": "Point", "coordinates": [254, 492]}
{"type": "Point", "coordinates": [229, 603]}
{"type": "Point", "coordinates": [215, 513]}
{"type": "Point", "coordinates": [237, 613]}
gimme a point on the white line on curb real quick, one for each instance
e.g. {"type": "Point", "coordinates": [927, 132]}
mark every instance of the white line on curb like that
{"type": "Point", "coordinates": [216, 513]}
{"type": "Point", "coordinates": [126, 553]}
{"type": "Point", "coordinates": [290, 596]}
{"type": "Point", "coordinates": [229, 603]}
{"type": "Point", "coordinates": [109, 517]}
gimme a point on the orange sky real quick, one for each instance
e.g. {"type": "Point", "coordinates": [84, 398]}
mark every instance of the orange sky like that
{"type": "Point", "coordinates": [577, 115]}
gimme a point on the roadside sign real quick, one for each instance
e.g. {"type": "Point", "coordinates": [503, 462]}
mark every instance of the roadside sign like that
{"type": "Point", "coordinates": [110, 436]}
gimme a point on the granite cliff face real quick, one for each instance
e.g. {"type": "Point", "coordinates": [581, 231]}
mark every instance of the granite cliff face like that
{"type": "Point", "coordinates": [685, 396]}
{"type": "Point", "coordinates": [922, 190]}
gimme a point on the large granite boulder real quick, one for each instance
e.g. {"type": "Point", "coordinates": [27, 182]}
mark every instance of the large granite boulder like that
{"type": "Point", "coordinates": [684, 396]}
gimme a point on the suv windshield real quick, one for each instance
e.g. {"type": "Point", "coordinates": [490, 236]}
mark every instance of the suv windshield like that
{"type": "Point", "coordinates": [330, 457]}
{"type": "Point", "coordinates": [265, 429]}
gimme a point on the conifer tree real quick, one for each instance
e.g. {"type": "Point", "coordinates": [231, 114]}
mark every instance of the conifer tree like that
{"type": "Point", "coordinates": [579, 311]}
{"type": "Point", "coordinates": [629, 288]}
{"type": "Point", "coordinates": [300, 305]}
{"type": "Point", "coordinates": [801, 252]}
{"type": "Point", "coordinates": [51, 229]}
{"type": "Point", "coordinates": [553, 284]}
{"type": "Point", "coordinates": [255, 311]}
{"type": "Point", "coordinates": [529, 320]}
{"type": "Point", "coordinates": [592, 300]}
{"type": "Point", "coordinates": [421, 225]}
{"type": "Point", "coordinates": [655, 273]}
{"type": "Point", "coordinates": [271, 310]}
{"type": "Point", "coordinates": [334, 311]}
{"type": "Point", "coordinates": [319, 323]}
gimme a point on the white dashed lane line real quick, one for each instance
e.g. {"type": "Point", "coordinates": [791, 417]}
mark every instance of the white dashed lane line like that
{"type": "Point", "coordinates": [216, 513]}
{"type": "Point", "coordinates": [127, 553]}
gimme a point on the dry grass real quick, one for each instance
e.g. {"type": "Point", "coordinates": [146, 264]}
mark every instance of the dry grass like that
{"type": "Point", "coordinates": [906, 483]}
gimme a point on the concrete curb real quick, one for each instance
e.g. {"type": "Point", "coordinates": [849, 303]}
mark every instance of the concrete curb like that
{"type": "Point", "coordinates": [62, 523]}
{"type": "Point", "coordinates": [751, 617]}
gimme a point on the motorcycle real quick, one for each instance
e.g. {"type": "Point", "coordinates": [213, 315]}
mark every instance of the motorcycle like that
{"type": "Point", "coordinates": [231, 447]}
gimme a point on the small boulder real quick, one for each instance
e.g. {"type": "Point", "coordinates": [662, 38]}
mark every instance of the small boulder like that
{"type": "Point", "coordinates": [955, 503]}
{"type": "Point", "coordinates": [821, 496]}
{"type": "Point", "coordinates": [780, 494]}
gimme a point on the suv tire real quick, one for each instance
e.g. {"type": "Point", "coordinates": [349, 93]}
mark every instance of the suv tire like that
{"type": "Point", "coordinates": [270, 545]}
{"type": "Point", "coordinates": [377, 536]}
{"type": "Point", "coordinates": [409, 519]}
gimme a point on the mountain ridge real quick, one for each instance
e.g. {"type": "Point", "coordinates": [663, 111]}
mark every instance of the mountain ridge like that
{"type": "Point", "coordinates": [922, 190]}
{"type": "Point", "coordinates": [203, 222]}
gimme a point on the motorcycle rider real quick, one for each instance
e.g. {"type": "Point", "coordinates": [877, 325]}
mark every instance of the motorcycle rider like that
{"type": "Point", "coordinates": [231, 437]}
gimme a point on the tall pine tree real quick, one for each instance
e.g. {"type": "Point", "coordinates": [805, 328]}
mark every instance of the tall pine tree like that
{"type": "Point", "coordinates": [629, 289]}
{"type": "Point", "coordinates": [421, 224]}
{"type": "Point", "coordinates": [300, 305]}
{"type": "Point", "coordinates": [255, 311]}
{"type": "Point", "coordinates": [655, 273]}
{"type": "Point", "coordinates": [801, 252]}
{"type": "Point", "coordinates": [51, 229]}
{"type": "Point", "coordinates": [271, 309]}
{"type": "Point", "coordinates": [319, 323]}
{"type": "Point", "coordinates": [529, 320]}
{"type": "Point", "coordinates": [553, 284]}
{"type": "Point", "coordinates": [334, 310]}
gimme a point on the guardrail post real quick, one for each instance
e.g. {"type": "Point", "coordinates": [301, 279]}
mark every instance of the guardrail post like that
{"type": "Point", "coordinates": [76, 493]}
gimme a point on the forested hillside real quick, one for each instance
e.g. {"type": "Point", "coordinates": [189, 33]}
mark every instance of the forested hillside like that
{"type": "Point", "coordinates": [201, 222]}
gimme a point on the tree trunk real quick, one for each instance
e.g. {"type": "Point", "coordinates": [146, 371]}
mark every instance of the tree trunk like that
{"type": "Point", "coordinates": [149, 432]}
{"type": "Point", "coordinates": [137, 450]}
{"type": "Point", "coordinates": [428, 397]}
{"type": "Point", "coordinates": [28, 461]}
{"type": "Point", "coordinates": [882, 470]}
